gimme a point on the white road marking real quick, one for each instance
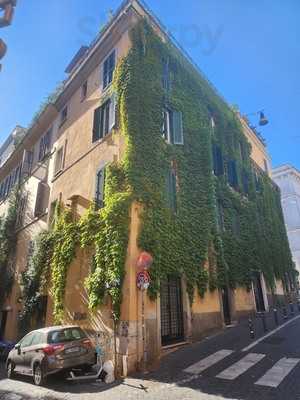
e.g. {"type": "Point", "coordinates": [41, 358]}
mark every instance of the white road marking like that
{"type": "Point", "coordinates": [241, 366]}
{"type": "Point", "coordinates": [269, 334]}
{"type": "Point", "coordinates": [278, 372]}
{"type": "Point", "coordinates": [208, 362]}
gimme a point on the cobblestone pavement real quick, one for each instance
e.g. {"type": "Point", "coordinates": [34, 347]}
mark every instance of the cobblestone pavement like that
{"type": "Point", "coordinates": [220, 367]}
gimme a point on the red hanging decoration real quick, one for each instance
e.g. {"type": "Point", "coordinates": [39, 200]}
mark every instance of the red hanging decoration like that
{"type": "Point", "coordinates": [145, 260]}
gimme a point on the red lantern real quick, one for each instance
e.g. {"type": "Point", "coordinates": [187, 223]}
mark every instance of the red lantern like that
{"type": "Point", "coordinates": [145, 260]}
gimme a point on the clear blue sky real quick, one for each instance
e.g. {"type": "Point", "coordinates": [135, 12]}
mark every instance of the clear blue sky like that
{"type": "Point", "coordinates": [249, 49]}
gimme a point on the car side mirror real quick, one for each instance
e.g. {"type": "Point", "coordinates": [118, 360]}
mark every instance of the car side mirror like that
{"type": "Point", "coordinates": [18, 348]}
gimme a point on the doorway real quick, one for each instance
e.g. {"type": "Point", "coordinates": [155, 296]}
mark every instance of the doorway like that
{"type": "Point", "coordinates": [172, 326]}
{"type": "Point", "coordinates": [258, 293]}
{"type": "Point", "coordinates": [226, 305]}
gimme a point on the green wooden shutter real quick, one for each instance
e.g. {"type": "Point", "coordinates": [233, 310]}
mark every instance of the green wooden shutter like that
{"type": "Point", "coordinates": [96, 125]}
{"type": "Point", "coordinates": [100, 185]}
{"type": "Point", "coordinates": [232, 174]}
{"type": "Point", "coordinates": [177, 127]}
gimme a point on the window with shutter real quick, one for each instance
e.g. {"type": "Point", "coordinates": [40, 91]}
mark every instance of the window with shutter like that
{"type": "Point", "coordinates": [100, 185]}
{"type": "Point", "coordinates": [45, 145]}
{"type": "Point", "coordinates": [27, 163]}
{"type": "Point", "coordinates": [96, 125]}
{"type": "Point", "coordinates": [232, 174]}
{"type": "Point", "coordinates": [42, 198]}
{"type": "Point", "coordinates": [218, 163]}
{"type": "Point", "coordinates": [104, 119]}
{"type": "Point", "coordinates": [41, 149]}
{"type": "Point", "coordinates": [59, 160]}
{"type": "Point", "coordinates": [172, 190]}
{"type": "Point", "coordinates": [177, 127]}
{"type": "Point", "coordinates": [172, 129]}
{"type": "Point", "coordinates": [108, 69]}
{"type": "Point", "coordinates": [166, 125]}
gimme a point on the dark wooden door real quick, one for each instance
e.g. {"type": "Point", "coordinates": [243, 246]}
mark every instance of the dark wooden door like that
{"type": "Point", "coordinates": [172, 329]}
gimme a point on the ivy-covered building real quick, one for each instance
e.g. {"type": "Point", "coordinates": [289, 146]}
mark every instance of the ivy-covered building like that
{"type": "Point", "coordinates": [137, 152]}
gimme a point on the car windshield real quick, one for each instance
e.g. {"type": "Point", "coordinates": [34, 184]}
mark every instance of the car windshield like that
{"type": "Point", "coordinates": [65, 335]}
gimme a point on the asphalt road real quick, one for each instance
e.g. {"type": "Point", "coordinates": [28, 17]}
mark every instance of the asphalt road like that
{"type": "Point", "coordinates": [221, 367]}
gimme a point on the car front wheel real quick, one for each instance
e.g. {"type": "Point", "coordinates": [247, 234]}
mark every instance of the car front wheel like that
{"type": "Point", "coordinates": [38, 375]}
{"type": "Point", "coordinates": [10, 370]}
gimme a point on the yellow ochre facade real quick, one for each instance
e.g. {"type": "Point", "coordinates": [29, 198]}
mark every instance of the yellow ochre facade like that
{"type": "Point", "coordinates": [68, 173]}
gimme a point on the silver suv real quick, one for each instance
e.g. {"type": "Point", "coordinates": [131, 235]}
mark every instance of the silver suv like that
{"type": "Point", "coordinates": [50, 350]}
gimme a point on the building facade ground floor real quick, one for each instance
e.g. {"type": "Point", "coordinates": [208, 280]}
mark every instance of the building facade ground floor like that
{"type": "Point", "coordinates": [146, 326]}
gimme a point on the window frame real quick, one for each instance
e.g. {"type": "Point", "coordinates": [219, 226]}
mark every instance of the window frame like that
{"type": "Point", "coordinates": [99, 197]}
{"type": "Point", "coordinates": [232, 174]}
{"type": "Point", "coordinates": [218, 160]}
{"type": "Point", "coordinates": [108, 70]}
{"type": "Point", "coordinates": [56, 169]}
{"type": "Point", "coordinates": [104, 119]}
{"type": "Point", "coordinates": [45, 145]}
{"type": "Point", "coordinates": [169, 127]}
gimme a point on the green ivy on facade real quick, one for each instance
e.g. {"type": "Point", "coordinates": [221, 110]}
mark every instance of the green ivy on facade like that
{"type": "Point", "coordinates": [184, 241]}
